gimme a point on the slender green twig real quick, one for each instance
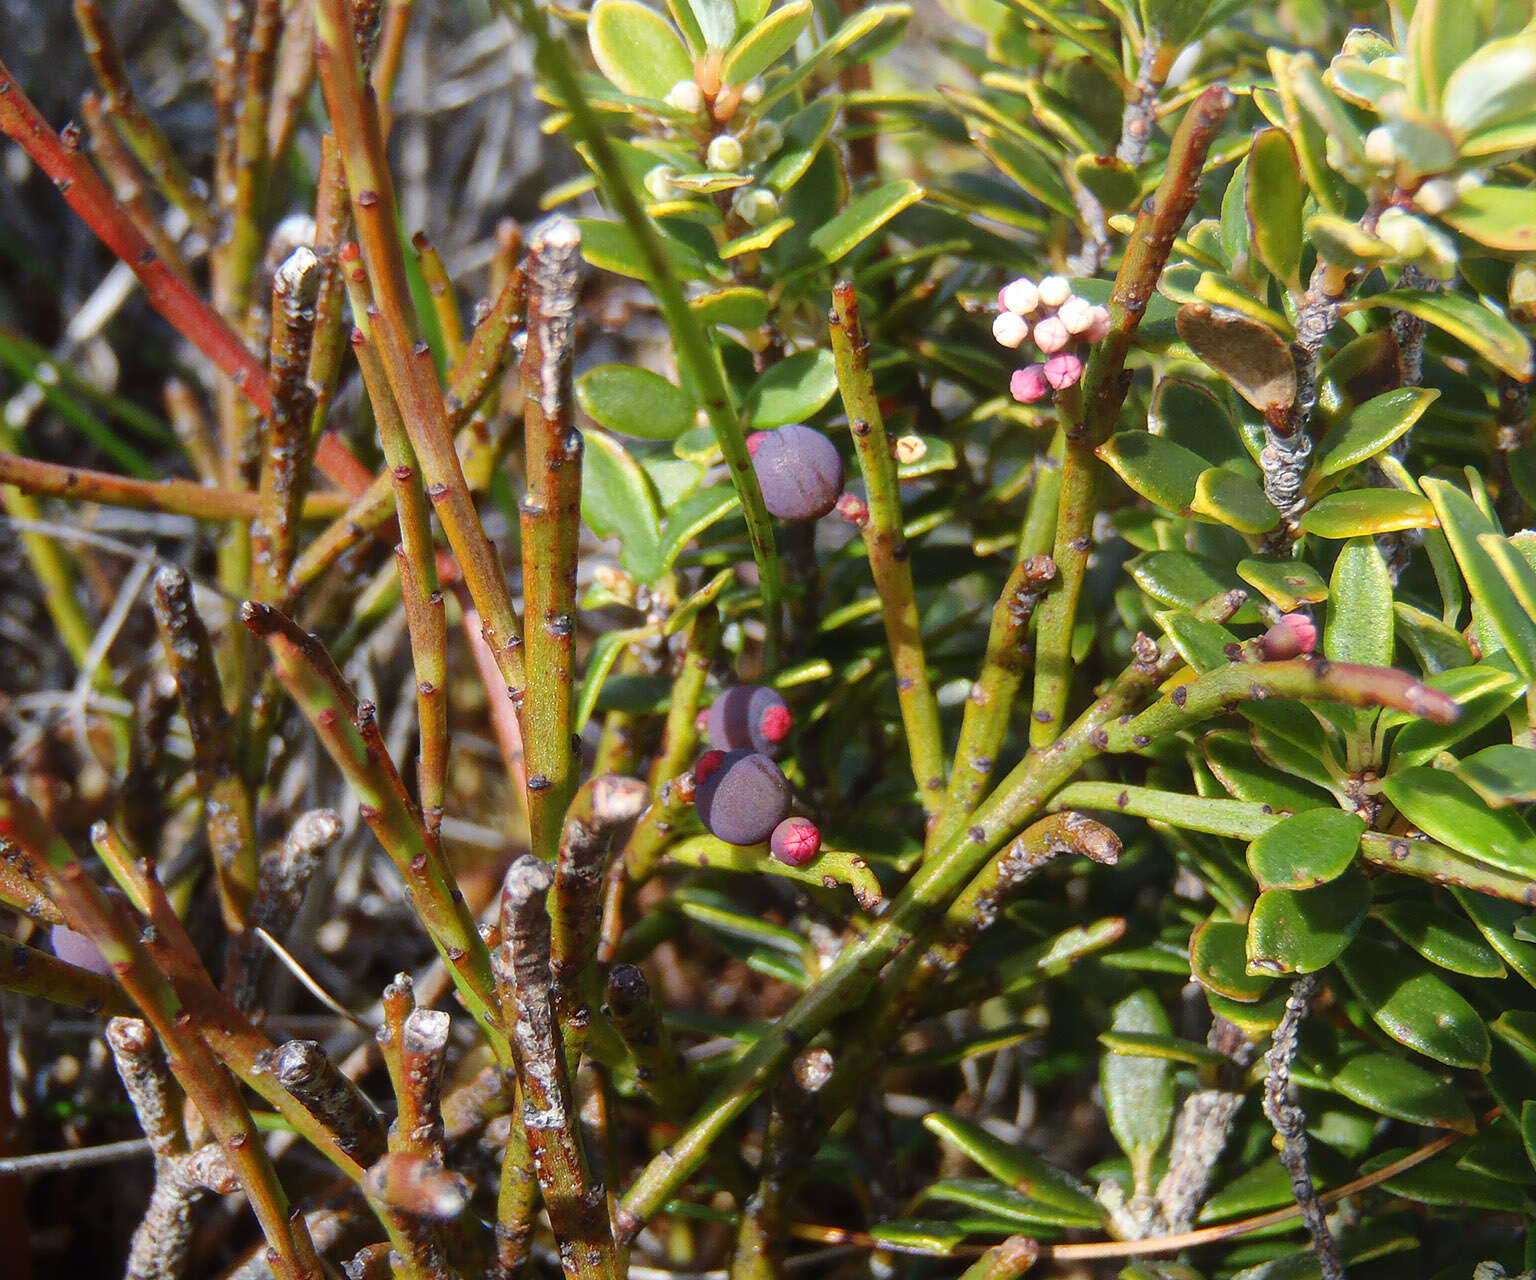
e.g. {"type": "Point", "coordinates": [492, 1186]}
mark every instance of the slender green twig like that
{"type": "Point", "coordinates": [990, 704]}
{"type": "Point", "coordinates": [30, 972]}
{"type": "Point", "coordinates": [551, 525]}
{"type": "Point", "coordinates": [1006, 1261]}
{"type": "Point", "coordinates": [445, 304]}
{"type": "Point", "coordinates": [1089, 417]}
{"type": "Point", "coordinates": [694, 348]}
{"type": "Point", "coordinates": [660, 1067]}
{"type": "Point", "coordinates": [889, 562]}
{"type": "Point", "coordinates": [333, 223]}
{"type": "Point", "coordinates": [228, 810]}
{"type": "Point", "coordinates": [576, 1201]}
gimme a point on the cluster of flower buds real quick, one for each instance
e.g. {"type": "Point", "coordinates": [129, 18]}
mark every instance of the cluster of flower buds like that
{"type": "Point", "coordinates": [1057, 321]}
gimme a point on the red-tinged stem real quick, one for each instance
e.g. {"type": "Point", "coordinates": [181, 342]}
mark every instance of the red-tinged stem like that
{"type": "Point", "coordinates": [445, 303]}
{"type": "Point", "coordinates": [1090, 411]}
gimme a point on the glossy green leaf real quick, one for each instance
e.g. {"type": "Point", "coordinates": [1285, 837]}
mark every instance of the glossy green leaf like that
{"type": "Point", "coordinates": [1138, 1092]}
{"type": "Point", "coordinates": [1393, 1086]}
{"type": "Point", "coordinates": [1201, 643]}
{"type": "Point", "coordinates": [765, 42]}
{"type": "Point", "coordinates": [756, 240]}
{"type": "Point", "coordinates": [604, 653]}
{"type": "Point", "coordinates": [1501, 775]}
{"type": "Point", "coordinates": [1164, 473]}
{"type": "Point", "coordinates": [1441, 937]}
{"type": "Point", "coordinates": [1286, 584]}
{"type": "Point", "coordinates": [1186, 413]}
{"type": "Point", "coordinates": [1015, 1165]}
{"type": "Point", "coordinates": [1477, 325]}
{"type": "Point", "coordinates": [1370, 427]}
{"type": "Point", "coordinates": [919, 1235]}
{"type": "Point", "coordinates": [693, 515]}
{"type": "Point", "coordinates": [1147, 1044]}
{"type": "Point", "coordinates": [1273, 198]}
{"type": "Point", "coordinates": [1238, 768]}
{"type": "Point", "coordinates": [1306, 850]}
{"type": "Point", "coordinates": [1254, 359]}
{"type": "Point", "coordinates": [1438, 647]}
{"type": "Point", "coordinates": [636, 48]}
{"type": "Point", "coordinates": [635, 402]}
{"type": "Point", "coordinates": [804, 133]}
{"type": "Point", "coordinates": [1448, 810]}
{"type": "Point", "coordinates": [1218, 961]}
{"type": "Point", "coordinates": [1360, 607]}
{"type": "Point", "coordinates": [739, 306]}
{"type": "Point", "coordinates": [792, 390]}
{"type": "Point", "coordinates": [1113, 183]}
{"type": "Point", "coordinates": [1255, 1019]}
{"type": "Point", "coordinates": [1361, 370]}
{"type": "Point", "coordinates": [1361, 512]}
{"type": "Point", "coordinates": [1185, 579]}
{"type": "Point", "coordinates": [1441, 1182]}
{"type": "Point", "coordinates": [864, 215]}
{"type": "Point", "coordinates": [1495, 86]}
{"type": "Point", "coordinates": [1173, 22]}
{"type": "Point", "coordinates": [1305, 930]}
{"type": "Point", "coordinates": [1441, 36]}
{"type": "Point", "coordinates": [1233, 500]}
{"type": "Point", "coordinates": [611, 246]}
{"type": "Point", "coordinates": [1502, 218]}
{"type": "Point", "coordinates": [1496, 921]}
{"type": "Point", "coordinates": [617, 501]}
{"type": "Point", "coordinates": [1415, 1006]}
{"type": "Point", "coordinates": [1004, 1204]}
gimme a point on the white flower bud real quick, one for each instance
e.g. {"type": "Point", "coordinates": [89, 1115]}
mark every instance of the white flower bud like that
{"type": "Point", "coordinates": [1051, 335]}
{"type": "Point", "coordinates": [1077, 314]}
{"type": "Point", "coordinates": [1440, 256]}
{"type": "Point", "coordinates": [752, 92]}
{"type": "Point", "coordinates": [725, 153]}
{"type": "Point", "coordinates": [686, 95]}
{"type": "Point", "coordinates": [755, 206]}
{"type": "Point", "coordinates": [1469, 181]}
{"type": "Point", "coordinates": [1404, 232]}
{"type": "Point", "coordinates": [1054, 290]}
{"type": "Point", "coordinates": [1380, 149]}
{"type": "Point", "coordinates": [1019, 297]}
{"type": "Point", "coordinates": [1010, 329]}
{"type": "Point", "coordinates": [658, 183]}
{"type": "Point", "coordinates": [1436, 196]}
{"type": "Point", "coordinates": [765, 140]}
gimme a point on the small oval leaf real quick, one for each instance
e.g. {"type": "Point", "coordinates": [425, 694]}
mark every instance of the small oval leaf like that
{"type": "Point", "coordinates": [1306, 850]}
{"type": "Point", "coordinates": [635, 402]}
{"type": "Point", "coordinates": [636, 48]}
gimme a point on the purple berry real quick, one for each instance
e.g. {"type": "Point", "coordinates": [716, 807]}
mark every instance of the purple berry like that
{"type": "Point", "coordinates": [799, 470]}
{"type": "Point", "coordinates": [750, 717]}
{"type": "Point", "coordinates": [743, 799]}
{"type": "Point", "coordinates": [795, 841]}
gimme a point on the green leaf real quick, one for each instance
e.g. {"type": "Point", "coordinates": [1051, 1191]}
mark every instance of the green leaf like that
{"type": "Point", "coordinates": [1360, 607]}
{"type": "Point", "coordinates": [1367, 511]}
{"type": "Point", "coordinates": [1441, 937]}
{"type": "Point", "coordinates": [1483, 693]}
{"type": "Point", "coordinates": [1233, 500]}
{"type": "Point", "coordinates": [1478, 325]}
{"type": "Point", "coordinates": [1440, 38]}
{"type": "Point", "coordinates": [1286, 584]}
{"type": "Point", "coordinates": [612, 247]}
{"type": "Point", "coordinates": [1344, 243]}
{"type": "Point", "coordinates": [804, 133]}
{"type": "Point", "coordinates": [1255, 1019]}
{"type": "Point", "coordinates": [1501, 775]}
{"type": "Point", "coordinates": [1238, 768]}
{"type": "Point", "coordinates": [1173, 22]}
{"type": "Point", "coordinates": [1497, 922]}
{"type": "Point", "coordinates": [1164, 473]}
{"type": "Point", "coordinates": [604, 653]}
{"type": "Point", "coordinates": [1007, 1206]}
{"type": "Point", "coordinates": [617, 501]}
{"type": "Point", "coordinates": [1307, 850]}
{"type": "Point", "coordinates": [755, 240]}
{"type": "Point", "coordinates": [837, 237]}
{"type": "Point", "coordinates": [765, 43]}
{"type": "Point", "coordinates": [1201, 643]}
{"type": "Point", "coordinates": [1015, 1166]}
{"type": "Point", "coordinates": [919, 1235]}
{"type": "Point", "coordinates": [792, 390]}
{"type": "Point", "coordinates": [1254, 359]}
{"type": "Point", "coordinates": [1185, 579]}
{"type": "Point", "coordinates": [739, 306]}
{"type": "Point", "coordinates": [1496, 86]}
{"type": "Point", "coordinates": [1414, 1006]}
{"type": "Point", "coordinates": [1438, 647]}
{"type": "Point", "coordinates": [1218, 961]}
{"type": "Point", "coordinates": [1502, 218]}
{"type": "Point", "coordinates": [1369, 428]}
{"type": "Point", "coordinates": [1186, 413]}
{"type": "Point", "coordinates": [636, 48]}
{"type": "Point", "coordinates": [1273, 200]}
{"type": "Point", "coordinates": [693, 515]}
{"type": "Point", "coordinates": [1305, 930]}
{"type": "Point", "coordinates": [1392, 1086]}
{"type": "Point", "coordinates": [635, 402]}
{"type": "Point", "coordinates": [1147, 1044]}
{"type": "Point", "coordinates": [1441, 1182]}
{"type": "Point", "coordinates": [1112, 182]}
{"type": "Point", "coordinates": [1448, 810]}
{"type": "Point", "coordinates": [1138, 1092]}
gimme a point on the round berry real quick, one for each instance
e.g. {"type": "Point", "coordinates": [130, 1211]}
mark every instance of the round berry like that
{"type": "Point", "coordinates": [750, 717]}
{"type": "Point", "coordinates": [744, 799]}
{"type": "Point", "coordinates": [795, 841]}
{"type": "Point", "coordinates": [800, 472]}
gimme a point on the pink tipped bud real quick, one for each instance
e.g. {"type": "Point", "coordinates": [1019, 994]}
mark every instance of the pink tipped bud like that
{"type": "Point", "coordinates": [1020, 297]}
{"type": "Point", "coordinates": [701, 722]}
{"type": "Point", "coordinates": [853, 509]}
{"type": "Point", "coordinates": [1063, 370]}
{"type": "Point", "coordinates": [1098, 328]}
{"type": "Point", "coordinates": [754, 440]}
{"type": "Point", "coordinates": [1051, 335]}
{"type": "Point", "coordinates": [1028, 384]}
{"type": "Point", "coordinates": [1010, 330]}
{"type": "Point", "coordinates": [1054, 290]}
{"type": "Point", "coordinates": [708, 763]}
{"type": "Point", "coordinates": [776, 724]}
{"type": "Point", "coordinates": [1076, 314]}
{"type": "Point", "coordinates": [1294, 635]}
{"type": "Point", "coordinates": [795, 841]}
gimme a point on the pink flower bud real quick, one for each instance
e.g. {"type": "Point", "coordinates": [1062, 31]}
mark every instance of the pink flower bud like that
{"type": "Point", "coordinates": [1051, 335]}
{"type": "Point", "coordinates": [1019, 297]}
{"type": "Point", "coordinates": [1054, 290]}
{"type": "Point", "coordinates": [853, 509]}
{"type": "Point", "coordinates": [1294, 635]}
{"type": "Point", "coordinates": [1029, 384]}
{"type": "Point", "coordinates": [1063, 370]}
{"type": "Point", "coordinates": [1076, 314]}
{"type": "Point", "coordinates": [1098, 328]}
{"type": "Point", "coordinates": [1010, 330]}
{"type": "Point", "coordinates": [795, 841]}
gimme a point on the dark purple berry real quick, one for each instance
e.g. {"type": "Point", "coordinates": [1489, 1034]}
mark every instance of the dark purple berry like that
{"type": "Point", "coordinates": [750, 716]}
{"type": "Point", "coordinates": [799, 470]}
{"type": "Point", "coordinates": [743, 799]}
{"type": "Point", "coordinates": [795, 841]}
